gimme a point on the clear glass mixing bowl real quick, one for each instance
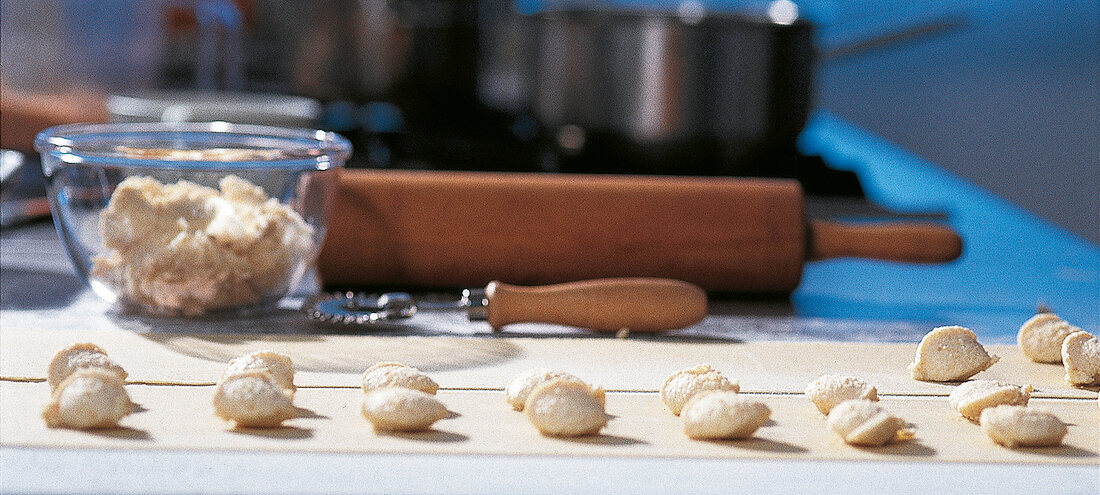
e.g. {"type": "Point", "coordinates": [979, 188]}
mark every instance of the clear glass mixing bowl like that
{"type": "Point", "coordinates": [191, 218]}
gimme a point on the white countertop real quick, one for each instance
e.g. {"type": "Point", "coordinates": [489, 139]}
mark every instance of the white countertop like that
{"type": "Point", "coordinates": [41, 291]}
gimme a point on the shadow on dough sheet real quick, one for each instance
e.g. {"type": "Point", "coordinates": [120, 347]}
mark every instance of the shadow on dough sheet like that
{"type": "Point", "coordinates": [347, 353]}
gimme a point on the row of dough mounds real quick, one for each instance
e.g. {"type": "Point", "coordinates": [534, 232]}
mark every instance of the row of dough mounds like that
{"type": "Point", "coordinates": [953, 354]}
{"type": "Point", "coordinates": [710, 407]}
{"type": "Point", "coordinates": [558, 403]}
{"type": "Point", "coordinates": [1046, 338]}
{"type": "Point", "coordinates": [1000, 408]}
{"type": "Point", "coordinates": [257, 390]}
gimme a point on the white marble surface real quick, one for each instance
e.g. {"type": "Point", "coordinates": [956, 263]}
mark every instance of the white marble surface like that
{"type": "Point", "coordinates": [114, 471]}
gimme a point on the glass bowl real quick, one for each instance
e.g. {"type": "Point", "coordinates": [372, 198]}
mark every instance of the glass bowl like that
{"type": "Point", "coordinates": [191, 218]}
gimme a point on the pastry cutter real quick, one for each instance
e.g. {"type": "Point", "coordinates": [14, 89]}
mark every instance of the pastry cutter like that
{"type": "Point", "coordinates": [611, 304]}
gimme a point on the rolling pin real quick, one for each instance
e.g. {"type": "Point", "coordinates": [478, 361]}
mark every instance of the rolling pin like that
{"type": "Point", "coordinates": [460, 229]}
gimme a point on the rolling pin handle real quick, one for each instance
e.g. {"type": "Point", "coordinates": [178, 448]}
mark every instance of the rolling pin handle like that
{"type": "Point", "coordinates": [910, 242]}
{"type": "Point", "coordinates": [611, 304]}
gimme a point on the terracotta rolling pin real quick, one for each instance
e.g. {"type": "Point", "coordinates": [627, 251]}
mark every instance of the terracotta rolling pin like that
{"type": "Point", "coordinates": [460, 229]}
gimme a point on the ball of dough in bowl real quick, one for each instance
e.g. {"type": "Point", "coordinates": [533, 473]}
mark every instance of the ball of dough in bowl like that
{"type": "Point", "coordinates": [717, 414]}
{"type": "Point", "coordinates": [402, 409]}
{"type": "Point", "coordinates": [681, 385]}
{"type": "Point", "coordinates": [829, 390]}
{"type": "Point", "coordinates": [1021, 426]}
{"type": "Point", "coordinates": [186, 249]}
{"type": "Point", "coordinates": [1081, 359]}
{"type": "Point", "coordinates": [80, 356]}
{"type": "Point", "coordinates": [253, 399]}
{"type": "Point", "coordinates": [862, 422]}
{"type": "Point", "coordinates": [1040, 338]}
{"type": "Point", "coordinates": [565, 408]}
{"type": "Point", "coordinates": [390, 374]}
{"type": "Point", "coordinates": [949, 354]}
{"type": "Point", "coordinates": [970, 398]}
{"type": "Point", "coordinates": [88, 398]}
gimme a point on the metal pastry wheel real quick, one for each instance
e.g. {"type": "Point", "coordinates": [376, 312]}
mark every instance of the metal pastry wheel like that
{"type": "Point", "coordinates": [637, 304]}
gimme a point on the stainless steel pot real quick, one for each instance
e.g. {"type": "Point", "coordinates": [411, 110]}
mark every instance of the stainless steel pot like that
{"type": "Point", "coordinates": [365, 50]}
{"type": "Point", "coordinates": [661, 80]}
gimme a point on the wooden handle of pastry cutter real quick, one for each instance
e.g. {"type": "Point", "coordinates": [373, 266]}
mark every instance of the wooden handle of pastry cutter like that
{"type": "Point", "coordinates": [610, 304]}
{"type": "Point", "coordinates": [897, 241]}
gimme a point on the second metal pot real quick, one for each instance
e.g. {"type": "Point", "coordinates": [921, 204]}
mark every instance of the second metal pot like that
{"type": "Point", "coordinates": [657, 81]}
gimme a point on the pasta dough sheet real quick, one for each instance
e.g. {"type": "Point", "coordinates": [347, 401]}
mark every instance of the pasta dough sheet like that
{"type": "Point", "coordinates": [481, 422]}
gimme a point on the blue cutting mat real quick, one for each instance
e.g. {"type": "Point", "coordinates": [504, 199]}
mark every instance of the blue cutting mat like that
{"type": "Point", "coordinates": [1012, 262]}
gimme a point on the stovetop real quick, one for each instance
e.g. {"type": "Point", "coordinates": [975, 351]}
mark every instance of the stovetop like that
{"type": "Point", "coordinates": [492, 141]}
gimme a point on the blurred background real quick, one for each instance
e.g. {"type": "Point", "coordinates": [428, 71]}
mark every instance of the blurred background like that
{"type": "Point", "coordinates": [1005, 94]}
